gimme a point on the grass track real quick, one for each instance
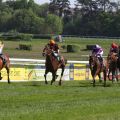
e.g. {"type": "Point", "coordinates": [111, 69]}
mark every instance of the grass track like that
{"type": "Point", "coordinates": [74, 100]}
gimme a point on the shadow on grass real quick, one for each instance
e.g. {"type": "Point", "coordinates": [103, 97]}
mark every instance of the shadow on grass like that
{"type": "Point", "coordinates": [73, 84]}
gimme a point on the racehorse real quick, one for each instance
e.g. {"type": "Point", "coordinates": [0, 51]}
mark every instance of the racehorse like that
{"type": "Point", "coordinates": [5, 65]}
{"type": "Point", "coordinates": [52, 65]}
{"type": "Point", "coordinates": [96, 68]}
{"type": "Point", "coordinates": [113, 66]}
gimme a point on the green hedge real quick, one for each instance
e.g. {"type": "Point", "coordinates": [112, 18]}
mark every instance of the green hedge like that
{"type": "Point", "coordinates": [73, 48]}
{"type": "Point", "coordinates": [18, 36]}
{"type": "Point", "coordinates": [25, 47]}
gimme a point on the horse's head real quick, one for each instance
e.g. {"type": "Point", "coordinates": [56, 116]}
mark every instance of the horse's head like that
{"type": "Point", "coordinates": [93, 61]}
{"type": "Point", "coordinates": [47, 51]}
{"type": "Point", "coordinates": [112, 57]}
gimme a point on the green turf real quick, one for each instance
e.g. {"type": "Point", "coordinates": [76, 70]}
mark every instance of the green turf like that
{"type": "Point", "coordinates": [38, 45]}
{"type": "Point", "coordinates": [74, 100]}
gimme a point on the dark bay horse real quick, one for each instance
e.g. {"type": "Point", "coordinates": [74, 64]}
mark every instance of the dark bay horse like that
{"type": "Point", "coordinates": [52, 65]}
{"type": "Point", "coordinates": [96, 68]}
{"type": "Point", "coordinates": [112, 61]}
{"type": "Point", "coordinates": [5, 65]}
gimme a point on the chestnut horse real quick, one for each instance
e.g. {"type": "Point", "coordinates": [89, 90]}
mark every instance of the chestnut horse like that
{"type": "Point", "coordinates": [96, 68]}
{"type": "Point", "coordinates": [5, 65]}
{"type": "Point", "coordinates": [52, 65]}
{"type": "Point", "coordinates": [112, 61]}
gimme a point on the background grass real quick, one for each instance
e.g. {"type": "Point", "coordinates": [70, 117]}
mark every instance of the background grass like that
{"type": "Point", "coordinates": [38, 45]}
{"type": "Point", "coordinates": [74, 100]}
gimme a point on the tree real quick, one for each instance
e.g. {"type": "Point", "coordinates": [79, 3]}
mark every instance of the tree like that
{"type": "Point", "coordinates": [27, 22]}
{"type": "Point", "coordinates": [31, 3]}
{"type": "Point", "coordinates": [58, 7]}
{"type": "Point", "coordinates": [53, 24]}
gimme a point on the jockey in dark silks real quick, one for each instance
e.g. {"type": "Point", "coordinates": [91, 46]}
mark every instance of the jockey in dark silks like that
{"type": "Point", "coordinates": [55, 49]}
{"type": "Point", "coordinates": [114, 48]}
{"type": "Point", "coordinates": [98, 52]}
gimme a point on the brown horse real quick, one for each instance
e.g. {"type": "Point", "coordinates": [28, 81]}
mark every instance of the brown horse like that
{"type": "Point", "coordinates": [5, 65]}
{"type": "Point", "coordinates": [96, 68]}
{"type": "Point", "coordinates": [52, 65]}
{"type": "Point", "coordinates": [112, 61]}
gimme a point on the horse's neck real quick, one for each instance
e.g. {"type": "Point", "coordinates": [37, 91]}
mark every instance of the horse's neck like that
{"type": "Point", "coordinates": [54, 62]}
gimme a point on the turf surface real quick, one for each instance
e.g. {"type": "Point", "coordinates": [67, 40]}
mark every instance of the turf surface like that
{"type": "Point", "coordinates": [74, 100]}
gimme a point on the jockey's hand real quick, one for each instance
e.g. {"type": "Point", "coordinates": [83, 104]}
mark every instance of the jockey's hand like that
{"type": "Point", "coordinates": [43, 54]}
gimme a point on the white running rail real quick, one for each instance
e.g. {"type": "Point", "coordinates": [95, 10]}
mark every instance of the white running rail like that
{"type": "Point", "coordinates": [38, 61]}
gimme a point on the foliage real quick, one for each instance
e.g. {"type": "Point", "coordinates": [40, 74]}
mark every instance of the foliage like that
{"type": "Point", "coordinates": [88, 18]}
{"type": "Point", "coordinates": [72, 48]}
{"type": "Point", "coordinates": [54, 24]}
{"type": "Point", "coordinates": [25, 47]}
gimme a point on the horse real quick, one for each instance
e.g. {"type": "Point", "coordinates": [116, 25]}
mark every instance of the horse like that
{"type": "Point", "coordinates": [96, 68]}
{"type": "Point", "coordinates": [5, 64]}
{"type": "Point", "coordinates": [52, 65]}
{"type": "Point", "coordinates": [112, 61]}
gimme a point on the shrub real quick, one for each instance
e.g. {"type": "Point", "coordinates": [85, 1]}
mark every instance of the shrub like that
{"type": "Point", "coordinates": [72, 48]}
{"type": "Point", "coordinates": [27, 37]}
{"type": "Point", "coordinates": [25, 47]}
{"type": "Point", "coordinates": [90, 47]}
{"type": "Point", "coordinates": [64, 46]}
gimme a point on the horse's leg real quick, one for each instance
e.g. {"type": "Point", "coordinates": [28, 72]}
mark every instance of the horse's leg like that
{"type": "Point", "coordinates": [105, 75]}
{"type": "Point", "coordinates": [93, 81]}
{"type": "Point", "coordinates": [113, 75]}
{"type": "Point", "coordinates": [0, 76]}
{"type": "Point", "coordinates": [99, 75]}
{"type": "Point", "coordinates": [117, 75]}
{"type": "Point", "coordinates": [8, 71]}
{"type": "Point", "coordinates": [109, 74]}
{"type": "Point", "coordinates": [97, 72]}
{"type": "Point", "coordinates": [63, 68]}
{"type": "Point", "coordinates": [46, 72]}
{"type": "Point", "coordinates": [53, 77]}
{"type": "Point", "coordinates": [93, 75]}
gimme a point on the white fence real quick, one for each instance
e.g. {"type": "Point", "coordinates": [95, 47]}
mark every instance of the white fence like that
{"type": "Point", "coordinates": [37, 61]}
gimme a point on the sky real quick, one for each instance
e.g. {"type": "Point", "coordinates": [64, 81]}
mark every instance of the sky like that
{"type": "Point", "coordinates": [44, 1]}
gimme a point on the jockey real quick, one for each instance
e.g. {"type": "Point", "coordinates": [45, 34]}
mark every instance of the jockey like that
{"type": "Point", "coordinates": [55, 48]}
{"type": "Point", "coordinates": [114, 48]}
{"type": "Point", "coordinates": [98, 52]}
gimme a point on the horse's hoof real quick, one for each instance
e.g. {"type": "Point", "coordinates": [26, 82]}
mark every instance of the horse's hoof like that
{"type": "Point", "coordinates": [56, 76]}
{"type": "Point", "coordinates": [59, 83]}
{"type": "Point", "coordinates": [46, 82]}
{"type": "Point", "coordinates": [8, 82]}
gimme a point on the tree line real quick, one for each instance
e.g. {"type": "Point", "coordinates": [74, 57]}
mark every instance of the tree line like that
{"type": "Point", "coordinates": [87, 18]}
